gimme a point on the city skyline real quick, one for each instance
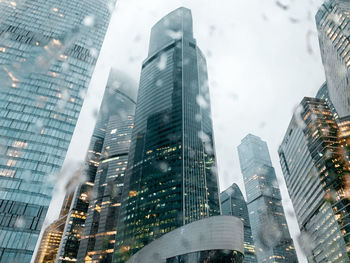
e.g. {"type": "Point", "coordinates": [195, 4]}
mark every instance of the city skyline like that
{"type": "Point", "coordinates": [266, 127]}
{"type": "Point", "coordinates": [213, 25]}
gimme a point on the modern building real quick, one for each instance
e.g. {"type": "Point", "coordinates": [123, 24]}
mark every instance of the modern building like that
{"type": "Point", "coordinates": [48, 51]}
{"type": "Point", "coordinates": [171, 178]}
{"type": "Point", "coordinates": [233, 204]}
{"type": "Point", "coordinates": [323, 93]}
{"type": "Point", "coordinates": [317, 177]}
{"type": "Point", "coordinates": [97, 242]}
{"type": "Point", "coordinates": [332, 23]}
{"type": "Point", "coordinates": [269, 226]}
{"type": "Point", "coordinates": [52, 235]}
{"type": "Point", "coordinates": [210, 240]}
{"type": "Point", "coordinates": [117, 104]}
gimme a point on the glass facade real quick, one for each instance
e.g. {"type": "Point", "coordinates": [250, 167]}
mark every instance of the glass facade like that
{"type": "Point", "coordinates": [52, 235]}
{"type": "Point", "coordinates": [317, 175]}
{"type": "Point", "coordinates": [332, 23]}
{"type": "Point", "coordinates": [269, 226]}
{"type": "Point", "coordinates": [208, 256]}
{"type": "Point", "coordinates": [118, 101]}
{"type": "Point", "coordinates": [171, 177]}
{"type": "Point", "coordinates": [233, 204]}
{"type": "Point", "coordinates": [323, 93]}
{"type": "Point", "coordinates": [97, 242]}
{"type": "Point", "coordinates": [48, 50]}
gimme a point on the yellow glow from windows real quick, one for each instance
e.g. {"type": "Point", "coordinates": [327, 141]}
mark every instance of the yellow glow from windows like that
{"type": "Point", "coordinates": [124, 249]}
{"type": "Point", "coordinates": [11, 162]}
{"type": "Point", "coordinates": [19, 144]}
{"type": "Point", "coordinates": [132, 193]}
{"type": "Point", "coordinates": [7, 173]}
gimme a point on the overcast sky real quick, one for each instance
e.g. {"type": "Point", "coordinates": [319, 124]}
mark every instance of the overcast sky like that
{"type": "Point", "coordinates": [263, 58]}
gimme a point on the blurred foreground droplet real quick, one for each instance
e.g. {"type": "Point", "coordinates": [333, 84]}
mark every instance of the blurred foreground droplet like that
{"type": "Point", "coordinates": [269, 234]}
{"type": "Point", "coordinates": [306, 243]}
{"type": "Point", "coordinates": [89, 21]}
{"type": "Point", "coordinates": [162, 61]}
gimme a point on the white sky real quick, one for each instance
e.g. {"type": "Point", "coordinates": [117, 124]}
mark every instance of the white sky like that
{"type": "Point", "coordinates": [262, 60]}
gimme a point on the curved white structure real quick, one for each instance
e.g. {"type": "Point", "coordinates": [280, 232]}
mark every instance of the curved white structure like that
{"type": "Point", "coordinates": [217, 233]}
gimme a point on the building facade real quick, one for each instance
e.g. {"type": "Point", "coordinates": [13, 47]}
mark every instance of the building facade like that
{"type": "Point", "coordinates": [48, 50]}
{"type": "Point", "coordinates": [233, 204]}
{"type": "Point", "coordinates": [323, 93]}
{"type": "Point", "coordinates": [118, 101]}
{"type": "Point", "coordinates": [97, 242]}
{"type": "Point", "coordinates": [52, 235]}
{"type": "Point", "coordinates": [171, 177]}
{"type": "Point", "coordinates": [317, 176]}
{"type": "Point", "coordinates": [332, 23]}
{"type": "Point", "coordinates": [222, 242]}
{"type": "Point", "coordinates": [269, 226]}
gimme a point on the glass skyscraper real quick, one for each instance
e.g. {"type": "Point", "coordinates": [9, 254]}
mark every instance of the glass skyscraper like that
{"type": "Point", "coordinates": [317, 177]}
{"type": "Point", "coordinates": [98, 239]}
{"type": "Point", "coordinates": [333, 30]}
{"type": "Point", "coordinates": [269, 226]}
{"type": "Point", "coordinates": [323, 93]}
{"type": "Point", "coordinates": [118, 103]}
{"type": "Point", "coordinates": [171, 177]}
{"type": "Point", "coordinates": [52, 235]}
{"type": "Point", "coordinates": [233, 204]}
{"type": "Point", "coordinates": [48, 50]}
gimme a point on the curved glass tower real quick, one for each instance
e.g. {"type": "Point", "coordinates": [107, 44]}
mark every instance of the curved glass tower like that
{"type": "Point", "coordinates": [332, 21]}
{"type": "Point", "coordinates": [170, 179]}
{"type": "Point", "coordinates": [48, 50]}
{"type": "Point", "coordinates": [117, 105]}
{"type": "Point", "coordinates": [97, 241]}
{"type": "Point", "coordinates": [314, 162]}
{"type": "Point", "coordinates": [233, 204]}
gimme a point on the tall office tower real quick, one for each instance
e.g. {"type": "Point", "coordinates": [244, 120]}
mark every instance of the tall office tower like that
{"type": "Point", "coordinates": [48, 50]}
{"type": "Point", "coordinates": [323, 93]}
{"type": "Point", "coordinates": [332, 20]}
{"type": "Point", "coordinates": [233, 204]}
{"type": "Point", "coordinates": [269, 226]}
{"type": "Point", "coordinates": [171, 178]}
{"type": "Point", "coordinates": [118, 101]}
{"type": "Point", "coordinates": [97, 242]}
{"type": "Point", "coordinates": [52, 235]}
{"type": "Point", "coordinates": [317, 179]}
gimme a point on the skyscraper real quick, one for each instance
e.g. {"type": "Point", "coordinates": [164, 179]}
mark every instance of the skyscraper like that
{"type": "Point", "coordinates": [117, 104]}
{"type": "Point", "coordinates": [48, 50]}
{"type": "Point", "coordinates": [52, 235]}
{"type": "Point", "coordinates": [317, 179]}
{"type": "Point", "coordinates": [97, 241]}
{"type": "Point", "coordinates": [171, 178]}
{"type": "Point", "coordinates": [269, 226]}
{"type": "Point", "coordinates": [323, 93]}
{"type": "Point", "coordinates": [332, 20]}
{"type": "Point", "coordinates": [233, 204]}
